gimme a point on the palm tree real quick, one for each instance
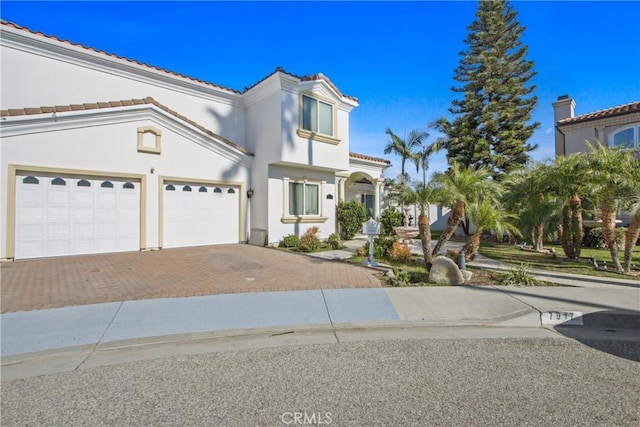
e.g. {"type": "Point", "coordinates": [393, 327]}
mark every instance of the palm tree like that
{"type": "Point", "coordinates": [422, 195]}
{"type": "Point", "coordinates": [527, 195]}
{"type": "Point", "coordinates": [421, 158]}
{"type": "Point", "coordinates": [459, 187]}
{"type": "Point", "coordinates": [609, 176]}
{"type": "Point", "coordinates": [633, 205]}
{"type": "Point", "coordinates": [404, 147]}
{"type": "Point", "coordinates": [487, 216]}
{"type": "Point", "coordinates": [566, 178]}
{"type": "Point", "coordinates": [631, 236]}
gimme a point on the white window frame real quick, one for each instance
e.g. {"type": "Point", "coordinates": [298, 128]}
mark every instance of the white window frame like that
{"type": "Point", "coordinates": [288, 217]}
{"type": "Point", "coordinates": [317, 135]}
{"type": "Point", "coordinates": [636, 135]}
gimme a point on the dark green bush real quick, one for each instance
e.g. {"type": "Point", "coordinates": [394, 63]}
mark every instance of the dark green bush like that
{"type": "Point", "coordinates": [594, 238]}
{"type": "Point", "coordinates": [350, 216]}
{"type": "Point", "coordinates": [290, 241]}
{"type": "Point", "coordinates": [381, 246]}
{"type": "Point", "coordinates": [334, 241]}
{"type": "Point", "coordinates": [390, 218]}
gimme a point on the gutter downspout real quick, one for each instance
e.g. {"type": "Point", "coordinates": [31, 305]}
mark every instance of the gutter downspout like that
{"type": "Point", "coordinates": [564, 141]}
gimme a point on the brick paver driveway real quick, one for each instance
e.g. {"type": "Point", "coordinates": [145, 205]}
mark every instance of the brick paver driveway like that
{"type": "Point", "coordinates": [91, 279]}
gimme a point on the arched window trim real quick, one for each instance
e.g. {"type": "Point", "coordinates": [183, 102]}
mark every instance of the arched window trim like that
{"type": "Point", "coordinates": [217, 190]}
{"type": "Point", "coordinates": [636, 134]}
{"type": "Point", "coordinates": [83, 183]}
{"type": "Point", "coordinates": [170, 187]}
{"type": "Point", "coordinates": [202, 189]}
{"type": "Point", "coordinates": [231, 191]}
{"type": "Point", "coordinates": [186, 188]}
{"type": "Point", "coordinates": [58, 181]}
{"type": "Point", "coordinates": [128, 186]}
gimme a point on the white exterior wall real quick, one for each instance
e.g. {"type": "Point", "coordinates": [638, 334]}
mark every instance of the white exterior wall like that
{"type": "Point", "coordinates": [33, 77]}
{"type": "Point", "coordinates": [296, 149]}
{"type": "Point", "coordinates": [112, 148]}
{"type": "Point", "coordinates": [277, 208]}
{"type": "Point", "coordinates": [263, 134]}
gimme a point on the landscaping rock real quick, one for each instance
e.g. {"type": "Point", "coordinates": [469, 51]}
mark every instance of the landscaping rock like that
{"type": "Point", "coordinates": [446, 272]}
{"type": "Point", "coordinates": [467, 275]}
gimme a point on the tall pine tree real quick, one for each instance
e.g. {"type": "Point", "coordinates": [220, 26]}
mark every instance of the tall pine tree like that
{"type": "Point", "coordinates": [492, 121]}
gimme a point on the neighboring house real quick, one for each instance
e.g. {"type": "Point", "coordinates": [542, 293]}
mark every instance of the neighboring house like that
{"type": "Point", "coordinates": [100, 153]}
{"type": "Point", "coordinates": [616, 127]}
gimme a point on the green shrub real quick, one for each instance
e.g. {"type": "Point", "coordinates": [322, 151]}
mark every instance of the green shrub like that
{"type": "Point", "coordinates": [381, 246]}
{"type": "Point", "coordinates": [390, 218]}
{"type": "Point", "coordinates": [309, 242]}
{"type": "Point", "coordinates": [350, 216]}
{"type": "Point", "coordinates": [594, 238]}
{"type": "Point", "coordinates": [290, 241]}
{"type": "Point", "coordinates": [400, 277]}
{"type": "Point", "coordinates": [520, 276]}
{"type": "Point", "coordinates": [334, 241]}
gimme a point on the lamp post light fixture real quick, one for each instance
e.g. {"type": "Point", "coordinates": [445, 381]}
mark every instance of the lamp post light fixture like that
{"type": "Point", "coordinates": [249, 193]}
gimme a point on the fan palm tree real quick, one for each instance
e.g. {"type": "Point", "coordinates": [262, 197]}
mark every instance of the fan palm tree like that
{"type": "Point", "coordinates": [487, 216]}
{"type": "Point", "coordinates": [459, 187]}
{"type": "Point", "coordinates": [610, 178]}
{"type": "Point", "coordinates": [404, 147]}
{"type": "Point", "coordinates": [422, 195]}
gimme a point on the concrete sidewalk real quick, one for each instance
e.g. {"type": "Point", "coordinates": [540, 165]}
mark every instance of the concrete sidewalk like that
{"type": "Point", "coordinates": [122, 322]}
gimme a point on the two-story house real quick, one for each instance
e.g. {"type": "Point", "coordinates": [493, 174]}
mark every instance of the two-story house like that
{"type": "Point", "coordinates": [101, 153]}
{"type": "Point", "coordinates": [616, 126]}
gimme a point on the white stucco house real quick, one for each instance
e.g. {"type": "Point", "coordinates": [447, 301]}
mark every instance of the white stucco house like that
{"type": "Point", "coordinates": [617, 126]}
{"type": "Point", "coordinates": [101, 153]}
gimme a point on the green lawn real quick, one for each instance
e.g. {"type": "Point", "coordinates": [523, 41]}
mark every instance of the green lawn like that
{"type": "Point", "coordinates": [513, 255]}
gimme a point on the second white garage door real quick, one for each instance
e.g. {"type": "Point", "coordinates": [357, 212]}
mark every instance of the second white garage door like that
{"type": "Point", "coordinates": [197, 215]}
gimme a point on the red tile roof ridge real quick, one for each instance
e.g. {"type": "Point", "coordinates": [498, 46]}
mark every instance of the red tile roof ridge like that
{"type": "Point", "coordinates": [114, 104]}
{"type": "Point", "coordinates": [370, 158]}
{"type": "Point", "coordinates": [630, 107]}
{"type": "Point", "coordinates": [318, 76]}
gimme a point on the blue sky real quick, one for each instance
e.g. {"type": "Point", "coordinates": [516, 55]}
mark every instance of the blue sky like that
{"type": "Point", "coordinates": [397, 58]}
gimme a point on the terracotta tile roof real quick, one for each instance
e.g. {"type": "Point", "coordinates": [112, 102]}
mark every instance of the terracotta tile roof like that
{"type": "Point", "coordinates": [369, 158]}
{"type": "Point", "coordinates": [318, 76]}
{"type": "Point", "coordinates": [632, 107]}
{"type": "Point", "coordinates": [114, 104]}
{"type": "Point", "coordinates": [133, 61]}
{"type": "Point", "coordinates": [310, 77]}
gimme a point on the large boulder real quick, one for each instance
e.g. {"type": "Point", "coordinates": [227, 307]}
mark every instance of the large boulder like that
{"type": "Point", "coordinates": [444, 271]}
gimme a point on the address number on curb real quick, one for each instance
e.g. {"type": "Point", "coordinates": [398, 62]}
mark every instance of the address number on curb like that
{"type": "Point", "coordinates": [561, 317]}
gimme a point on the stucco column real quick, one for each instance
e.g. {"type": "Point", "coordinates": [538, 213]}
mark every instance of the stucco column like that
{"type": "Point", "coordinates": [342, 196]}
{"type": "Point", "coordinates": [377, 198]}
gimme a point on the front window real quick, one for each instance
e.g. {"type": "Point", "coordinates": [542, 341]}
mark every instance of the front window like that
{"type": "Point", "coordinates": [303, 199]}
{"type": "Point", "coordinates": [317, 116]}
{"type": "Point", "coordinates": [626, 138]}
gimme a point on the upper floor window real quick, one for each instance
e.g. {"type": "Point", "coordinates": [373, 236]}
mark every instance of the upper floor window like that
{"type": "Point", "coordinates": [626, 138]}
{"type": "Point", "coordinates": [317, 119]}
{"type": "Point", "coordinates": [317, 116]}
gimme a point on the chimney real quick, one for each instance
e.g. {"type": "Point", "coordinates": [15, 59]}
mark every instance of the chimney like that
{"type": "Point", "coordinates": [563, 108]}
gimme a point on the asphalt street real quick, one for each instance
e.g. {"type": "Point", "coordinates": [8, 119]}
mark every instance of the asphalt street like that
{"type": "Point", "coordinates": [410, 382]}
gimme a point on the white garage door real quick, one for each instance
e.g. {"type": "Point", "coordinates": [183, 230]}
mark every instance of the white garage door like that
{"type": "Point", "coordinates": [65, 215]}
{"type": "Point", "coordinates": [196, 215]}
